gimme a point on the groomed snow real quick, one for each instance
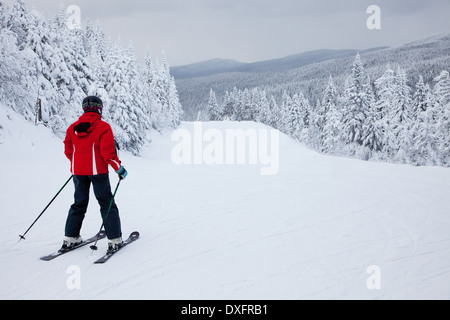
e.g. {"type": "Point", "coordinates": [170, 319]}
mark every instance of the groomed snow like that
{"type": "Point", "coordinates": [227, 232]}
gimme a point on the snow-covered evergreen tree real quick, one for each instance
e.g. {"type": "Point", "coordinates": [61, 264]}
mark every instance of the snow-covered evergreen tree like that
{"type": "Point", "coordinates": [296, 116]}
{"type": "Point", "coordinates": [275, 120]}
{"type": "Point", "coordinates": [373, 130]}
{"type": "Point", "coordinates": [18, 21]}
{"type": "Point", "coordinates": [229, 108]}
{"type": "Point", "coordinates": [357, 103]}
{"type": "Point", "coordinates": [175, 107]}
{"type": "Point", "coordinates": [264, 114]}
{"type": "Point", "coordinates": [166, 95]}
{"type": "Point", "coordinates": [442, 102]}
{"type": "Point", "coordinates": [423, 132]}
{"type": "Point", "coordinates": [138, 117]}
{"type": "Point", "coordinates": [97, 49]}
{"type": "Point", "coordinates": [327, 120]}
{"type": "Point", "coordinates": [385, 87]}
{"type": "Point", "coordinates": [400, 117]}
{"type": "Point", "coordinates": [152, 108]}
{"type": "Point", "coordinates": [214, 112]}
{"type": "Point", "coordinates": [11, 70]}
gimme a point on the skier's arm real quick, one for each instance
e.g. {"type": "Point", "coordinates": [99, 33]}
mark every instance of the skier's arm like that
{"type": "Point", "coordinates": [68, 146]}
{"type": "Point", "coordinates": [108, 150]}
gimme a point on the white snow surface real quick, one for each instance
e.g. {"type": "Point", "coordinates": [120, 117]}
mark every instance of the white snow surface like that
{"type": "Point", "coordinates": [227, 232]}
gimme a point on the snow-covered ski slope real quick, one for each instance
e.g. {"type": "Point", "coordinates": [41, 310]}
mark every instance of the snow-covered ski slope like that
{"type": "Point", "coordinates": [312, 231]}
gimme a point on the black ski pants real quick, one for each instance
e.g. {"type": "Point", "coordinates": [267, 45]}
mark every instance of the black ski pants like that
{"type": "Point", "coordinates": [102, 191]}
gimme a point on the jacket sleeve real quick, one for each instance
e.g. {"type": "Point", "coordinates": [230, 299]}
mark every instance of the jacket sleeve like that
{"type": "Point", "coordinates": [108, 149]}
{"type": "Point", "coordinates": [68, 145]}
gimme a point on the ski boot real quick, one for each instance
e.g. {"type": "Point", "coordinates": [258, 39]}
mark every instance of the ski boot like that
{"type": "Point", "coordinates": [70, 243]}
{"type": "Point", "coordinates": [114, 245]}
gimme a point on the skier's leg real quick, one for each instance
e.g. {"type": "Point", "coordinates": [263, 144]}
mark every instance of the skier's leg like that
{"type": "Point", "coordinates": [111, 219]}
{"type": "Point", "coordinates": [78, 209]}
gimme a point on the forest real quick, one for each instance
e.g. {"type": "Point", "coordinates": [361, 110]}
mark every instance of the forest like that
{"type": "Point", "coordinates": [385, 119]}
{"type": "Point", "coordinates": [45, 63]}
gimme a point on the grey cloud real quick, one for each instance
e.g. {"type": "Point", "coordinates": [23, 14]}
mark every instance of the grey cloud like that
{"type": "Point", "coordinates": [250, 30]}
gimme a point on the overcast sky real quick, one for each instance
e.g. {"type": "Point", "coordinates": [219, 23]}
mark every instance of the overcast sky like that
{"type": "Point", "coordinates": [254, 30]}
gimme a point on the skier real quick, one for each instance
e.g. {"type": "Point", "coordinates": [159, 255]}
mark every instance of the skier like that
{"type": "Point", "coordinates": [90, 147]}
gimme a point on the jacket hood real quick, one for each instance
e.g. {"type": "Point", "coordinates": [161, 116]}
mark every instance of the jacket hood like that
{"type": "Point", "coordinates": [86, 124]}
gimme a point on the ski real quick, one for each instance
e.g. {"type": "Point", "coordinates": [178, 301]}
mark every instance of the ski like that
{"type": "Point", "coordinates": [100, 235]}
{"type": "Point", "coordinates": [133, 237]}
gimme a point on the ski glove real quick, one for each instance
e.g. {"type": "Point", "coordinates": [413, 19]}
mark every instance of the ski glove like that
{"type": "Point", "coordinates": [122, 172]}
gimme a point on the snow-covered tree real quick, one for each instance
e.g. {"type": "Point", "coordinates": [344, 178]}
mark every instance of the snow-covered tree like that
{"type": "Point", "coordinates": [328, 121]}
{"type": "Point", "coordinates": [275, 120]}
{"type": "Point", "coordinates": [373, 130]}
{"type": "Point", "coordinates": [357, 102]}
{"type": "Point", "coordinates": [11, 70]}
{"type": "Point", "coordinates": [423, 131]}
{"type": "Point", "coordinates": [229, 108]}
{"type": "Point", "coordinates": [18, 21]}
{"type": "Point", "coordinates": [385, 87]}
{"type": "Point", "coordinates": [214, 112]}
{"type": "Point", "coordinates": [296, 117]}
{"type": "Point", "coordinates": [166, 95]}
{"type": "Point", "coordinates": [400, 116]}
{"type": "Point", "coordinates": [442, 96]}
{"type": "Point", "coordinates": [264, 113]}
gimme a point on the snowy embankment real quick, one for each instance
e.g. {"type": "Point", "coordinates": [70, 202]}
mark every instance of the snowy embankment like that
{"type": "Point", "coordinates": [311, 231]}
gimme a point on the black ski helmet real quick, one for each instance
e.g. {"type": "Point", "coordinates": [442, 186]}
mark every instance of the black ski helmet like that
{"type": "Point", "coordinates": [93, 104]}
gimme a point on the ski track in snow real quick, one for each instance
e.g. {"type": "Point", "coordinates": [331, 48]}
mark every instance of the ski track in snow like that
{"type": "Point", "coordinates": [226, 232]}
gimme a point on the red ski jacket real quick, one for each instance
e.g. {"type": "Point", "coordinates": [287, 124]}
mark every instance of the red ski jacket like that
{"type": "Point", "coordinates": [90, 146]}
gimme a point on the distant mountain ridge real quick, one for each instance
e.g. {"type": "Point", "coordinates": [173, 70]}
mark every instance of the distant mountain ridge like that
{"type": "Point", "coordinates": [219, 66]}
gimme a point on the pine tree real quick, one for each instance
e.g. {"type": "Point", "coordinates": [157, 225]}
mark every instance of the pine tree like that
{"type": "Point", "coordinates": [245, 105]}
{"type": "Point", "coordinates": [442, 96]}
{"type": "Point", "coordinates": [312, 134]}
{"type": "Point", "coordinates": [423, 131]}
{"type": "Point", "coordinates": [166, 95]}
{"type": "Point", "coordinates": [297, 116]}
{"type": "Point", "coordinates": [140, 120]}
{"type": "Point", "coordinates": [118, 91]}
{"type": "Point", "coordinates": [373, 130]}
{"type": "Point", "coordinates": [402, 115]}
{"type": "Point", "coordinates": [152, 108]}
{"type": "Point", "coordinates": [286, 105]}
{"type": "Point", "coordinates": [238, 105]}
{"type": "Point", "coordinates": [323, 113]}
{"type": "Point", "coordinates": [275, 119]}
{"type": "Point", "coordinates": [385, 87]}
{"type": "Point", "coordinates": [264, 113]}
{"type": "Point", "coordinates": [18, 22]}
{"type": "Point", "coordinates": [11, 70]}
{"type": "Point", "coordinates": [97, 49]}
{"type": "Point", "coordinates": [421, 99]}
{"type": "Point", "coordinates": [357, 103]}
{"type": "Point", "coordinates": [229, 109]}
{"type": "Point", "coordinates": [18, 85]}
{"type": "Point", "coordinates": [213, 110]}
{"type": "Point", "coordinates": [175, 107]}
{"type": "Point", "coordinates": [3, 15]}
{"type": "Point", "coordinates": [42, 39]}
{"type": "Point", "coordinates": [330, 121]}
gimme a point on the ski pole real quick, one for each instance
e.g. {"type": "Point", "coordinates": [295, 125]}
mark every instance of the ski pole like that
{"type": "Point", "coordinates": [22, 237]}
{"type": "Point", "coordinates": [94, 246]}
